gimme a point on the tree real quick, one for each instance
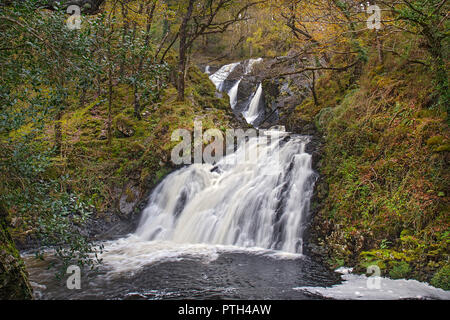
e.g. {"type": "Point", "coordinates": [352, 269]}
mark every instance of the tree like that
{"type": "Point", "coordinates": [324, 29]}
{"type": "Point", "coordinates": [429, 20]}
{"type": "Point", "coordinates": [40, 62]}
{"type": "Point", "coordinates": [127, 40]}
{"type": "Point", "coordinates": [199, 18]}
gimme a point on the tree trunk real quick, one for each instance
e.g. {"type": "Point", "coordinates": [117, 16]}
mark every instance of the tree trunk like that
{"type": "Point", "coordinates": [181, 71]}
{"type": "Point", "coordinates": [379, 49]}
{"type": "Point", "coordinates": [110, 93]}
{"type": "Point", "coordinates": [58, 132]}
{"type": "Point", "coordinates": [83, 97]}
{"type": "Point", "coordinates": [182, 50]}
{"type": "Point", "coordinates": [137, 106]}
{"type": "Point", "coordinates": [14, 283]}
{"type": "Point", "coordinates": [124, 34]}
{"type": "Point", "coordinates": [313, 88]}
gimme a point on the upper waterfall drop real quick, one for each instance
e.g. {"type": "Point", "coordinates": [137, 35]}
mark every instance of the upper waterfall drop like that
{"type": "Point", "coordinates": [233, 94]}
{"type": "Point", "coordinates": [251, 109]}
{"type": "Point", "coordinates": [248, 204]}
{"type": "Point", "coordinates": [252, 113]}
{"type": "Point", "coordinates": [219, 77]}
{"type": "Point", "coordinates": [251, 63]}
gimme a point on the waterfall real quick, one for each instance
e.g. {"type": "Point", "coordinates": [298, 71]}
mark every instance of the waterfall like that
{"type": "Point", "coordinates": [252, 113]}
{"type": "Point", "coordinates": [207, 70]}
{"type": "Point", "coordinates": [233, 94]}
{"type": "Point", "coordinates": [246, 204]}
{"type": "Point", "coordinates": [219, 77]}
{"type": "Point", "coordinates": [250, 64]}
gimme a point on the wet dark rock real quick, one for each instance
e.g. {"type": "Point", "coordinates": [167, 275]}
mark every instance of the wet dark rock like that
{"type": "Point", "coordinates": [302, 127]}
{"type": "Point", "coordinates": [129, 200]}
{"type": "Point", "coordinates": [245, 92]}
{"type": "Point", "coordinates": [238, 72]}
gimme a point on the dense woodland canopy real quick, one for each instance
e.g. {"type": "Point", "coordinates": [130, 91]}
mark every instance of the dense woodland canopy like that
{"type": "Point", "coordinates": [86, 115]}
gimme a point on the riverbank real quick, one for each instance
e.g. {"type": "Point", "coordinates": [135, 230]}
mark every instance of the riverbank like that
{"type": "Point", "coordinates": [383, 194]}
{"type": "Point", "coordinates": [381, 153]}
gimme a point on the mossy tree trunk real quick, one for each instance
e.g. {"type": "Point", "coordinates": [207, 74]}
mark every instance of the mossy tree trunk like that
{"type": "Point", "coordinates": [182, 57]}
{"type": "Point", "coordinates": [58, 132]}
{"type": "Point", "coordinates": [14, 283]}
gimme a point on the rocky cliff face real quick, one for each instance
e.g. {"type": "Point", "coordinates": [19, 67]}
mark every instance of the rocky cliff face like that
{"type": "Point", "coordinates": [14, 283]}
{"type": "Point", "coordinates": [281, 94]}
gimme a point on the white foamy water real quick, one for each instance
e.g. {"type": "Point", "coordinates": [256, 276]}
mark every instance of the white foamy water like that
{"type": "Point", "coordinates": [252, 113]}
{"type": "Point", "coordinates": [253, 204]}
{"type": "Point", "coordinates": [260, 203]}
{"type": "Point", "coordinates": [251, 63]}
{"type": "Point", "coordinates": [356, 287]}
{"type": "Point", "coordinates": [253, 110]}
{"type": "Point", "coordinates": [219, 77]}
{"type": "Point", "coordinates": [233, 94]}
{"type": "Point", "coordinates": [129, 255]}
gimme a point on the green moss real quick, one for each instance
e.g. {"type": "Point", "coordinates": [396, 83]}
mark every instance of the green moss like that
{"type": "Point", "coordinates": [441, 278]}
{"type": "Point", "coordinates": [385, 166]}
{"type": "Point", "coordinates": [124, 126]}
{"type": "Point", "coordinates": [443, 148]}
{"type": "Point", "coordinates": [161, 173]}
{"type": "Point", "coordinates": [131, 197]}
{"type": "Point", "coordinates": [13, 276]}
{"type": "Point", "coordinates": [204, 91]}
{"type": "Point", "coordinates": [400, 270]}
{"type": "Point", "coordinates": [436, 140]}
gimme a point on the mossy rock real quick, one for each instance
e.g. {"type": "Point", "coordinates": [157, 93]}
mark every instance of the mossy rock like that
{"type": "Point", "coordinates": [131, 196]}
{"type": "Point", "coordinates": [392, 262]}
{"type": "Point", "coordinates": [366, 263]}
{"type": "Point", "coordinates": [124, 126]}
{"type": "Point", "coordinates": [14, 283]}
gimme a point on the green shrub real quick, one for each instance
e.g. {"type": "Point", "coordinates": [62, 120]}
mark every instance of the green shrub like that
{"type": "Point", "coordinates": [400, 270]}
{"type": "Point", "coordinates": [441, 279]}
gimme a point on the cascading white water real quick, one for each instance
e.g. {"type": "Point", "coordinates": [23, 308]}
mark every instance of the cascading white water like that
{"type": "Point", "coordinates": [238, 203]}
{"type": "Point", "coordinates": [251, 63]}
{"type": "Point", "coordinates": [252, 113]}
{"type": "Point", "coordinates": [219, 77]}
{"type": "Point", "coordinates": [233, 94]}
